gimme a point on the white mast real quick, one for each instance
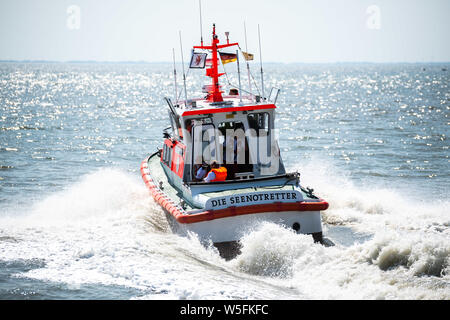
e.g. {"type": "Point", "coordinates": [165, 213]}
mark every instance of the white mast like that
{"type": "Point", "coordinates": [175, 77]}
{"type": "Point", "coordinates": [260, 59]}
{"type": "Point", "coordinates": [184, 74]}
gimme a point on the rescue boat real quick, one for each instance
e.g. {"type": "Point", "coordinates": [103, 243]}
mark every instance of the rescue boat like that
{"type": "Point", "coordinates": [236, 131]}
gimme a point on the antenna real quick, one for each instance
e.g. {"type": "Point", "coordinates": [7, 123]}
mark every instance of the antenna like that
{"type": "Point", "coordinates": [175, 77]}
{"type": "Point", "coordinates": [248, 66]}
{"type": "Point", "coordinates": [260, 59]}
{"type": "Point", "coordinates": [201, 29]}
{"type": "Point", "coordinates": [184, 74]}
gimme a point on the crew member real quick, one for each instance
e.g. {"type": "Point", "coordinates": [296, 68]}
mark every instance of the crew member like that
{"type": "Point", "coordinates": [217, 173]}
{"type": "Point", "coordinates": [201, 172]}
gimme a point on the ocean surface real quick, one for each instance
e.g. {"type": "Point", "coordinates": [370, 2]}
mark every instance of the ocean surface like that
{"type": "Point", "coordinates": [76, 220]}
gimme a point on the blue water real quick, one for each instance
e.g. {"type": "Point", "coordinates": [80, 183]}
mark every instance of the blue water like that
{"type": "Point", "coordinates": [77, 223]}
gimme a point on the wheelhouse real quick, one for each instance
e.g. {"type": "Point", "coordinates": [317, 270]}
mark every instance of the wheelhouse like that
{"type": "Point", "coordinates": [239, 136]}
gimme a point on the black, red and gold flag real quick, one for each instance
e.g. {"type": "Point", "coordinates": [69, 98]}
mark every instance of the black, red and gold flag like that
{"type": "Point", "coordinates": [228, 57]}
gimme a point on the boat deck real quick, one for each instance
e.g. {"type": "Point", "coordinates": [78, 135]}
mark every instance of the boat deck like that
{"type": "Point", "coordinates": [158, 175]}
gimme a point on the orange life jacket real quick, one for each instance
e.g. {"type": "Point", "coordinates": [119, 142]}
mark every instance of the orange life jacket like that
{"type": "Point", "coordinates": [221, 174]}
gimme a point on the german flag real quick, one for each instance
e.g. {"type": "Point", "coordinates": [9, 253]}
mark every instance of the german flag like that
{"type": "Point", "coordinates": [228, 57]}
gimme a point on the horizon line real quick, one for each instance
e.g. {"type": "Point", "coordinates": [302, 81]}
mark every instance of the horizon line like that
{"type": "Point", "coordinates": [171, 62]}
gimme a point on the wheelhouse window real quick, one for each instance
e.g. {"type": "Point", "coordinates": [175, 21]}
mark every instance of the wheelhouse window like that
{"type": "Point", "coordinates": [259, 121]}
{"type": "Point", "coordinates": [235, 148]}
{"type": "Point", "coordinates": [174, 124]}
{"type": "Point", "coordinates": [204, 145]}
{"type": "Point", "coordinates": [167, 154]}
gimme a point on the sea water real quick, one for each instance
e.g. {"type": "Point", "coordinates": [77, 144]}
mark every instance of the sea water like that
{"type": "Point", "coordinates": [76, 220]}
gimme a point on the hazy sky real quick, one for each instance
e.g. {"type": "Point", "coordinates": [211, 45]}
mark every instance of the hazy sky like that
{"type": "Point", "coordinates": [292, 30]}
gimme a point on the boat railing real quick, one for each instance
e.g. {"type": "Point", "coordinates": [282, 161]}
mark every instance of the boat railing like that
{"type": "Point", "coordinates": [287, 176]}
{"type": "Point", "coordinates": [273, 95]}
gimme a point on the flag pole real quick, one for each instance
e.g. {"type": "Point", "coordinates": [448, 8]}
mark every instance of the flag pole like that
{"type": "Point", "coordinates": [184, 74]}
{"type": "Point", "coordinates": [260, 60]}
{"type": "Point", "coordinates": [239, 76]}
{"type": "Point", "coordinates": [175, 77]}
{"type": "Point", "coordinates": [248, 66]}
